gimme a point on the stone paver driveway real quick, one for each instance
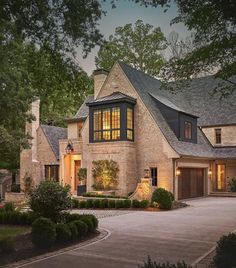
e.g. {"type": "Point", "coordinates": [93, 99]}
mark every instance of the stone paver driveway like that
{"type": "Point", "coordinates": [184, 234]}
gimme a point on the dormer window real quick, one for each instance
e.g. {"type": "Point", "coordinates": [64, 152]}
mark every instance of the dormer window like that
{"type": "Point", "coordinates": [218, 135]}
{"type": "Point", "coordinates": [188, 130]}
{"type": "Point", "coordinates": [111, 118]}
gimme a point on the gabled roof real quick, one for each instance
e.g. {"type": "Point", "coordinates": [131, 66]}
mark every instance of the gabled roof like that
{"type": "Point", "coordinates": [53, 135]}
{"type": "Point", "coordinates": [114, 97]}
{"type": "Point", "coordinates": [197, 100]}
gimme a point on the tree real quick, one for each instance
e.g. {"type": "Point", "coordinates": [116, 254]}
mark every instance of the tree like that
{"type": "Point", "coordinates": [214, 26]}
{"type": "Point", "coordinates": [139, 45]}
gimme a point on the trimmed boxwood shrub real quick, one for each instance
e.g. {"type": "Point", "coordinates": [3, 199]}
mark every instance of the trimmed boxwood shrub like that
{"type": "Point", "coordinates": [89, 222]}
{"type": "Point", "coordinates": [226, 251]}
{"type": "Point", "coordinates": [16, 217]}
{"type": "Point", "coordinates": [111, 204]}
{"type": "Point", "coordinates": [144, 203]}
{"type": "Point", "coordinates": [82, 228]}
{"type": "Point", "coordinates": [63, 233]}
{"type": "Point", "coordinates": [135, 203]}
{"type": "Point", "coordinates": [119, 204]}
{"type": "Point", "coordinates": [104, 203]}
{"type": "Point", "coordinates": [162, 197]}
{"type": "Point", "coordinates": [171, 196]}
{"type": "Point", "coordinates": [74, 203]}
{"type": "Point", "coordinates": [72, 217]}
{"type": "Point", "coordinates": [154, 264]}
{"type": "Point", "coordinates": [89, 203]}
{"type": "Point", "coordinates": [127, 203]}
{"type": "Point", "coordinates": [82, 204]}
{"type": "Point", "coordinates": [43, 232]}
{"type": "Point", "coordinates": [93, 219]}
{"type": "Point", "coordinates": [96, 203]}
{"type": "Point", "coordinates": [73, 229]}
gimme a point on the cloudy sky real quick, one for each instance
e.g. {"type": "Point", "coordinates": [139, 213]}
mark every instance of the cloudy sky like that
{"type": "Point", "coordinates": [129, 12]}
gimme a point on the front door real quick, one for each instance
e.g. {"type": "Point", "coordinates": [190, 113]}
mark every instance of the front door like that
{"type": "Point", "coordinates": [76, 176]}
{"type": "Point", "coordinates": [220, 178]}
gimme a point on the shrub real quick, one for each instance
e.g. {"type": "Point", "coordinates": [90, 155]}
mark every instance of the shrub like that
{"type": "Point", "coordinates": [43, 232]}
{"type": "Point", "coordinates": [96, 203]}
{"type": "Point", "coordinates": [171, 196]}
{"type": "Point", "coordinates": [89, 203]}
{"type": "Point", "coordinates": [111, 204]}
{"type": "Point", "coordinates": [104, 203]}
{"type": "Point", "coordinates": [63, 233]}
{"type": "Point", "coordinates": [119, 203]}
{"type": "Point", "coordinates": [226, 251]}
{"type": "Point", "coordinates": [88, 222]}
{"type": "Point", "coordinates": [6, 245]}
{"type": "Point", "coordinates": [72, 217]}
{"type": "Point", "coordinates": [144, 204]}
{"type": "Point", "coordinates": [82, 204]}
{"type": "Point", "coordinates": [153, 264]}
{"type": "Point", "coordinates": [73, 229]}
{"type": "Point", "coordinates": [135, 203]}
{"type": "Point", "coordinates": [93, 219]}
{"type": "Point", "coordinates": [16, 217]}
{"type": "Point", "coordinates": [49, 199]}
{"type": "Point", "coordinates": [127, 203]}
{"type": "Point", "coordinates": [9, 206]}
{"type": "Point", "coordinates": [162, 197]}
{"type": "Point", "coordinates": [232, 185]}
{"type": "Point", "coordinates": [82, 228]}
{"type": "Point", "coordinates": [74, 203]}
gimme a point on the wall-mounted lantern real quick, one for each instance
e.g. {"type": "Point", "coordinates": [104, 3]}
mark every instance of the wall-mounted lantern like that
{"type": "Point", "coordinates": [177, 172]}
{"type": "Point", "coordinates": [209, 171]}
{"type": "Point", "coordinates": [146, 173]}
{"type": "Point", "coordinates": [69, 147]}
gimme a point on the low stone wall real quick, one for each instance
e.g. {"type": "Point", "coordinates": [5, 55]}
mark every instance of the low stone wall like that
{"type": "Point", "coordinates": [15, 198]}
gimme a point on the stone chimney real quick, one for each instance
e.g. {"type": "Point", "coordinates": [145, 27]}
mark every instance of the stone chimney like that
{"type": "Point", "coordinates": [99, 77]}
{"type": "Point", "coordinates": [31, 127]}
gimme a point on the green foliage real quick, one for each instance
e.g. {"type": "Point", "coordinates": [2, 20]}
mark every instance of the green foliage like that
{"type": "Point", "coordinates": [89, 222]}
{"type": "Point", "coordinates": [144, 203]}
{"type": "Point", "coordinates": [6, 245]}
{"type": "Point", "coordinates": [82, 174]}
{"type": "Point", "coordinates": [16, 217]}
{"type": "Point", "coordinates": [225, 251]}
{"type": "Point", "coordinates": [43, 232]}
{"type": "Point", "coordinates": [171, 196]}
{"type": "Point", "coordinates": [119, 203]}
{"type": "Point", "coordinates": [15, 188]}
{"type": "Point", "coordinates": [49, 199]}
{"type": "Point", "coordinates": [8, 206]}
{"type": "Point", "coordinates": [127, 203]}
{"type": "Point", "coordinates": [153, 264]}
{"type": "Point", "coordinates": [135, 203]}
{"type": "Point", "coordinates": [139, 45]}
{"type": "Point", "coordinates": [111, 203]}
{"type": "Point", "coordinates": [96, 203]}
{"type": "Point", "coordinates": [74, 203]}
{"type": "Point", "coordinates": [105, 174]}
{"type": "Point", "coordinates": [28, 185]}
{"type": "Point", "coordinates": [82, 228]}
{"type": "Point", "coordinates": [73, 228]}
{"type": "Point", "coordinates": [93, 219]}
{"type": "Point", "coordinates": [89, 203]}
{"type": "Point", "coordinates": [91, 194]}
{"type": "Point", "coordinates": [72, 217]}
{"type": "Point", "coordinates": [63, 233]}
{"type": "Point", "coordinates": [82, 204]}
{"type": "Point", "coordinates": [162, 197]}
{"type": "Point", "coordinates": [232, 185]}
{"type": "Point", "coordinates": [104, 203]}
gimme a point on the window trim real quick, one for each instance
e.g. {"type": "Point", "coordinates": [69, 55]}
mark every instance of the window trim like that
{"type": "Point", "coordinates": [187, 124]}
{"type": "Point", "coordinates": [57, 172]}
{"type": "Point", "coordinates": [151, 168]}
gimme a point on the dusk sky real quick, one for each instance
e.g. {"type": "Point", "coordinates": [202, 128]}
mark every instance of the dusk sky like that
{"type": "Point", "coordinates": [129, 12]}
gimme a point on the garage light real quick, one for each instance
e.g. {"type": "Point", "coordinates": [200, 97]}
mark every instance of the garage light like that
{"type": "Point", "coordinates": [178, 172]}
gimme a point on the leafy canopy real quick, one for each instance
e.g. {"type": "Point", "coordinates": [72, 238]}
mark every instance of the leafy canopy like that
{"type": "Point", "coordinates": [139, 45]}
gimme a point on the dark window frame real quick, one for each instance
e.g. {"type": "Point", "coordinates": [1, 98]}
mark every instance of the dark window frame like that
{"type": "Point", "coordinates": [54, 171]}
{"type": "Point", "coordinates": [218, 136]}
{"type": "Point", "coordinates": [188, 130]}
{"type": "Point", "coordinates": [154, 177]}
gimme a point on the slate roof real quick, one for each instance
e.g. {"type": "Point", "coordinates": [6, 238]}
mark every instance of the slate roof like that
{"type": "Point", "coordinates": [115, 96]}
{"type": "Point", "coordinates": [196, 98]}
{"type": "Point", "coordinates": [83, 111]}
{"type": "Point", "coordinates": [53, 135]}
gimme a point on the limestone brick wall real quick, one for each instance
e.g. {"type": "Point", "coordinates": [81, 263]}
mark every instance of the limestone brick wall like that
{"type": "Point", "coordinates": [228, 135]}
{"type": "Point", "coordinates": [150, 148]}
{"type": "Point", "coordinates": [72, 130]}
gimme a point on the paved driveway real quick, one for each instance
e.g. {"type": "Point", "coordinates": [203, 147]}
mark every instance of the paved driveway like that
{"type": "Point", "coordinates": [184, 234]}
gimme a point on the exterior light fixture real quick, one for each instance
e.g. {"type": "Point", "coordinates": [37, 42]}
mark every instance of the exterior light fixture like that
{"type": "Point", "coordinates": [69, 147]}
{"type": "Point", "coordinates": [178, 172]}
{"type": "Point", "coordinates": [146, 173]}
{"type": "Point", "coordinates": [209, 172]}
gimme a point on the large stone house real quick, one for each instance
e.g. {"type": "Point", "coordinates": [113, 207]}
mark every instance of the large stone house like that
{"type": "Point", "coordinates": [187, 140]}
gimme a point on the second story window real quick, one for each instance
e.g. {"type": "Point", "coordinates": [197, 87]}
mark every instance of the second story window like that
{"type": "Point", "coordinates": [188, 130]}
{"type": "Point", "coordinates": [106, 124]}
{"type": "Point", "coordinates": [130, 131]}
{"type": "Point", "coordinates": [218, 136]}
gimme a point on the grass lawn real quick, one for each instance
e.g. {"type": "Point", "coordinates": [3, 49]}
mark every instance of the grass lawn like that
{"type": "Point", "coordinates": [10, 231]}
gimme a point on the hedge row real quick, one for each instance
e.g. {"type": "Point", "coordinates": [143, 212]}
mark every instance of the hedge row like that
{"type": "Point", "coordinates": [88, 194]}
{"type": "Point", "coordinates": [17, 218]}
{"type": "Point", "coordinates": [45, 233]}
{"type": "Point", "coordinates": [109, 203]}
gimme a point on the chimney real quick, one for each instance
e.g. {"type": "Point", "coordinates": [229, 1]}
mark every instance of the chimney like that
{"type": "Point", "coordinates": [99, 77]}
{"type": "Point", "coordinates": [31, 127]}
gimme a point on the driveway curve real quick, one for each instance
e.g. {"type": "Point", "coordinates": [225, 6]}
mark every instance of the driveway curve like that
{"type": "Point", "coordinates": [184, 234]}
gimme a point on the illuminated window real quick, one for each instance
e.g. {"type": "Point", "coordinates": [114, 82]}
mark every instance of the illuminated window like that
{"type": "Point", "coordinates": [52, 172]}
{"type": "Point", "coordinates": [188, 130]}
{"type": "Point", "coordinates": [130, 123]}
{"type": "Point", "coordinates": [106, 124]}
{"type": "Point", "coordinates": [218, 136]}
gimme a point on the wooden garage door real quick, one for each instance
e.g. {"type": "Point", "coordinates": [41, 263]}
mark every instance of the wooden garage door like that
{"type": "Point", "coordinates": [191, 183]}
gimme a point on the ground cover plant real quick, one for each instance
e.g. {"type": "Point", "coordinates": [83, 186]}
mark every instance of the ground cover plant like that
{"type": "Point", "coordinates": [153, 264]}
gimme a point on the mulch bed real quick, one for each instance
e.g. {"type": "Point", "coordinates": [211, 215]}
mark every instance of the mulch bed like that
{"type": "Point", "coordinates": [24, 249]}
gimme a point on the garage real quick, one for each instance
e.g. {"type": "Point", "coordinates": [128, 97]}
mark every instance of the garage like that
{"type": "Point", "coordinates": [190, 183]}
